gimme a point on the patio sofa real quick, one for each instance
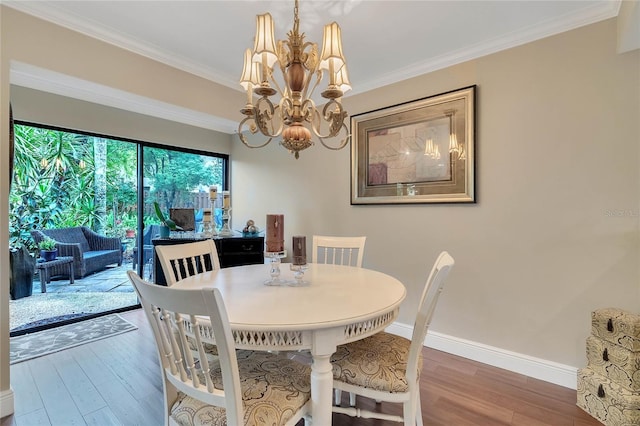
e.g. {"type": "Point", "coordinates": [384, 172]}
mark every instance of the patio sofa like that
{"type": "Point", "coordinates": [91, 252]}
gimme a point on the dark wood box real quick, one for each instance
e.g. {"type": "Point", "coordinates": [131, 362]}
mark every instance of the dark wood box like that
{"type": "Point", "coordinates": [240, 251]}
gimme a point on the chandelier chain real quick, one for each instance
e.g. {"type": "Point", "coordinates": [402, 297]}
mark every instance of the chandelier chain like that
{"type": "Point", "coordinates": [296, 19]}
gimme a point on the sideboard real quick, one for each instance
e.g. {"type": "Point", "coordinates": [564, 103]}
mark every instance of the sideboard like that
{"type": "Point", "coordinates": [232, 251]}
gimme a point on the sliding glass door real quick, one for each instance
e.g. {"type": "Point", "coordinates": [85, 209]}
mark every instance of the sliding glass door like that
{"type": "Point", "coordinates": [179, 182]}
{"type": "Point", "coordinates": [78, 189]}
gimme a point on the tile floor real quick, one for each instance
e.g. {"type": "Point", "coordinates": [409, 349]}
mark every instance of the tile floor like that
{"type": "Point", "coordinates": [103, 291]}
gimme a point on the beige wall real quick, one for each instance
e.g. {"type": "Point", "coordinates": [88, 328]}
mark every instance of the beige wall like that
{"type": "Point", "coordinates": [45, 45]}
{"type": "Point", "coordinates": [557, 160]}
{"type": "Point", "coordinates": [45, 108]}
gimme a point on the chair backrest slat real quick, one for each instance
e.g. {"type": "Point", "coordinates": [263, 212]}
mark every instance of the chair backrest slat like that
{"type": "Point", "coordinates": [338, 250]}
{"type": "Point", "coordinates": [184, 260]}
{"type": "Point", "coordinates": [187, 369]}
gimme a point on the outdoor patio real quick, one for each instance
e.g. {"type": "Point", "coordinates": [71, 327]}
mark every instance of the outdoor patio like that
{"type": "Point", "coordinates": [103, 291]}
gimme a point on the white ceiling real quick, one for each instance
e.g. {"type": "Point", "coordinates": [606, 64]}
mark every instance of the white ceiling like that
{"type": "Point", "coordinates": [384, 41]}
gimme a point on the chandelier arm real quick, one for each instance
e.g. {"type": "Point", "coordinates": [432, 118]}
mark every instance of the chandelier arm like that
{"type": "Point", "coordinates": [310, 111]}
{"type": "Point", "coordinates": [335, 119]}
{"type": "Point", "coordinates": [286, 110]}
{"type": "Point", "coordinates": [311, 62]}
{"type": "Point", "coordinates": [263, 118]}
{"type": "Point", "coordinates": [343, 142]}
{"type": "Point", "coordinates": [275, 83]}
{"type": "Point", "coordinates": [243, 138]}
{"type": "Point", "coordinates": [318, 76]}
{"type": "Point", "coordinates": [310, 59]}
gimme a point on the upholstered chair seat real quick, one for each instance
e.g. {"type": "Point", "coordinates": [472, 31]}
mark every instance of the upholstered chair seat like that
{"type": "Point", "coordinates": [378, 362]}
{"type": "Point", "coordinates": [272, 390]}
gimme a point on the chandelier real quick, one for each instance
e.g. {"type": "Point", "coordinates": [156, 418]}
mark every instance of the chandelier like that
{"type": "Point", "coordinates": [295, 116]}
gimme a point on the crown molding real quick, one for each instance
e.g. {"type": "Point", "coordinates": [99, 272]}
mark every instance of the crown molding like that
{"type": "Point", "coordinates": [37, 78]}
{"type": "Point", "coordinates": [593, 14]}
{"type": "Point", "coordinates": [598, 12]}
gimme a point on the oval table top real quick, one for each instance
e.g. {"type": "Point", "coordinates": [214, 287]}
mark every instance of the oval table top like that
{"type": "Point", "coordinates": [336, 296]}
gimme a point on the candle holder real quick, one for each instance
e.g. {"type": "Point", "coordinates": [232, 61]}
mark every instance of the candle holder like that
{"type": "Point", "coordinates": [212, 215]}
{"type": "Point", "coordinates": [225, 231]}
{"type": "Point", "coordinates": [208, 228]}
{"type": "Point", "coordinates": [298, 274]}
{"type": "Point", "coordinates": [274, 271]}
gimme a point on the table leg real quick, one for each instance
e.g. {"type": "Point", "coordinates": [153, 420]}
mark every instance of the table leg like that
{"type": "Point", "coordinates": [321, 390]}
{"type": "Point", "coordinates": [43, 280]}
{"type": "Point", "coordinates": [322, 379]}
{"type": "Point", "coordinates": [71, 273]}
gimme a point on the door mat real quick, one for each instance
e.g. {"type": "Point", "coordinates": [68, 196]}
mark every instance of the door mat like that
{"type": "Point", "coordinates": [45, 342]}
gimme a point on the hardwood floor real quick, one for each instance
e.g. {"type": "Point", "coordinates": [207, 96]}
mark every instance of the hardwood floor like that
{"type": "Point", "coordinates": [116, 381]}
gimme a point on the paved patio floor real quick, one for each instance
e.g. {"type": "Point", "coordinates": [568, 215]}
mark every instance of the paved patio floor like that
{"type": "Point", "coordinates": [103, 291]}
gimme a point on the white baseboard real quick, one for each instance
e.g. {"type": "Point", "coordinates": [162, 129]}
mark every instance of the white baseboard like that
{"type": "Point", "coordinates": [548, 371]}
{"type": "Point", "coordinates": [6, 403]}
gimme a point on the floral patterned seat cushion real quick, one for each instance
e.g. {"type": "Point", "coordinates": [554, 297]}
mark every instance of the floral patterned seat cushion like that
{"type": "Point", "coordinates": [378, 362]}
{"type": "Point", "coordinates": [274, 388]}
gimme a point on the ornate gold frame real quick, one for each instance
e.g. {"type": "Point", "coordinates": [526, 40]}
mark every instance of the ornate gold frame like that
{"type": "Point", "coordinates": [421, 151]}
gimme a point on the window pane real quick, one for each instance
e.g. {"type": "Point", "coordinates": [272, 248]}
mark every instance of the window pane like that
{"type": "Point", "coordinates": [179, 182]}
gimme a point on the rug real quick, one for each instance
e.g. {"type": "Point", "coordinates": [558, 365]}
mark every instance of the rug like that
{"type": "Point", "coordinates": [45, 342]}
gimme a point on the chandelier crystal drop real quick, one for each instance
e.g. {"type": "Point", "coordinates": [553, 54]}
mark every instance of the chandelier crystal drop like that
{"type": "Point", "coordinates": [295, 116]}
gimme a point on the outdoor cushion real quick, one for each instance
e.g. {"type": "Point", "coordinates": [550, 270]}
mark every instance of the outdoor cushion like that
{"type": "Point", "coordinates": [96, 253]}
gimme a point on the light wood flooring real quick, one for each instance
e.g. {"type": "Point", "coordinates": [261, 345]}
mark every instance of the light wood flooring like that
{"type": "Point", "coordinates": [116, 381]}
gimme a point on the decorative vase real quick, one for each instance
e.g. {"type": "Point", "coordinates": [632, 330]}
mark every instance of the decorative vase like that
{"type": "Point", "coordinates": [49, 255]}
{"type": "Point", "coordinates": [22, 266]}
{"type": "Point", "coordinates": [164, 231]}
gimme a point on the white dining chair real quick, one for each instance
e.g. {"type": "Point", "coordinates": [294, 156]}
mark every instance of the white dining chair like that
{"type": "Point", "coordinates": [338, 250]}
{"type": "Point", "coordinates": [234, 388]}
{"type": "Point", "coordinates": [184, 260]}
{"type": "Point", "coordinates": [387, 367]}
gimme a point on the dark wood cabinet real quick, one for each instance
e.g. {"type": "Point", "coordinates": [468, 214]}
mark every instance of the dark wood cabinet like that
{"type": "Point", "coordinates": [232, 251]}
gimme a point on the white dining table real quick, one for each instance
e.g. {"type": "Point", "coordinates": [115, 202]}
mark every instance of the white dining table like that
{"type": "Point", "coordinates": [340, 304]}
